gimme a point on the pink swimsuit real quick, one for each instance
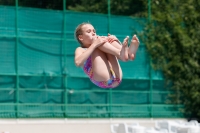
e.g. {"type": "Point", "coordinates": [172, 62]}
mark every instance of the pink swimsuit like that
{"type": "Point", "coordinates": [111, 83]}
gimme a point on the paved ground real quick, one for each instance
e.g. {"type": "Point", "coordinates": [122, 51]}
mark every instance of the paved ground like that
{"type": "Point", "coordinates": [67, 125]}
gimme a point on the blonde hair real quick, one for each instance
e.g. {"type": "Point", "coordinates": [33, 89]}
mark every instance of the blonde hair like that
{"type": "Point", "coordinates": [79, 31]}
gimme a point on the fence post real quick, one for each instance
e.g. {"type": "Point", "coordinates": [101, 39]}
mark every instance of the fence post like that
{"type": "Point", "coordinates": [108, 16]}
{"type": "Point", "coordinates": [110, 103]}
{"type": "Point", "coordinates": [110, 90]}
{"type": "Point", "coordinates": [16, 58]}
{"type": "Point", "coordinates": [65, 74]}
{"type": "Point", "coordinates": [150, 69]}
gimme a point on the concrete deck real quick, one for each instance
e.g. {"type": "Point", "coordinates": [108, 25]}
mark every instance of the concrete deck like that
{"type": "Point", "coordinates": [68, 125]}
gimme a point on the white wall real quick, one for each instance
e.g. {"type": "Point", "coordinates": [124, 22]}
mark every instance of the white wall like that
{"type": "Point", "coordinates": [66, 125]}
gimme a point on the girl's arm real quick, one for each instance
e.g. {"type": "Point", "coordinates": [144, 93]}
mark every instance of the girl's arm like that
{"type": "Point", "coordinates": [81, 54]}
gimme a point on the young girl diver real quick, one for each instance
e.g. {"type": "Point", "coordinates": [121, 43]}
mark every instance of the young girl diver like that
{"type": "Point", "coordinates": [98, 55]}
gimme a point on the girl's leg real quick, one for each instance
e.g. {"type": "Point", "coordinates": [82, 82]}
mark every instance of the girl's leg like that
{"type": "Point", "coordinates": [120, 51]}
{"type": "Point", "coordinates": [123, 47]}
{"type": "Point", "coordinates": [114, 64]}
{"type": "Point", "coordinates": [133, 47]}
{"type": "Point", "coordinates": [100, 66]}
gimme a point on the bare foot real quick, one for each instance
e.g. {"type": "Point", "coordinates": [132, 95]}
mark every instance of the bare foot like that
{"type": "Point", "coordinates": [133, 47]}
{"type": "Point", "coordinates": [124, 50]}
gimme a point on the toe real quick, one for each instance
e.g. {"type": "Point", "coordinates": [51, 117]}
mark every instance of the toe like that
{"type": "Point", "coordinates": [131, 56]}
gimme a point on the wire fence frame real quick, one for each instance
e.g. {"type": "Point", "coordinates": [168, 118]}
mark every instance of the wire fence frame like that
{"type": "Point", "coordinates": [65, 73]}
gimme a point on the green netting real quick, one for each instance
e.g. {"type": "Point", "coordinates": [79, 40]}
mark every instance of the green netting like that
{"type": "Point", "coordinates": [38, 77]}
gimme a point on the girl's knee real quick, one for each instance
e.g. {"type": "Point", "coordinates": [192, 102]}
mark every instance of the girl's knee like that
{"type": "Point", "coordinates": [97, 52]}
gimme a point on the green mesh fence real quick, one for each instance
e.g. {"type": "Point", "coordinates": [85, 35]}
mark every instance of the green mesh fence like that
{"type": "Point", "coordinates": [38, 77]}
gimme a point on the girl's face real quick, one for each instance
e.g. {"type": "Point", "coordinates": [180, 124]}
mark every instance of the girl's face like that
{"type": "Point", "coordinates": [88, 35]}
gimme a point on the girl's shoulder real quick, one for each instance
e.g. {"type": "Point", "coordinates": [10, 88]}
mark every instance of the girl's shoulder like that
{"type": "Point", "coordinates": [80, 49]}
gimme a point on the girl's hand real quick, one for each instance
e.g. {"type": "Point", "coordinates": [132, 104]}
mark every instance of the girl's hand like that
{"type": "Point", "coordinates": [112, 38]}
{"type": "Point", "coordinates": [98, 41]}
